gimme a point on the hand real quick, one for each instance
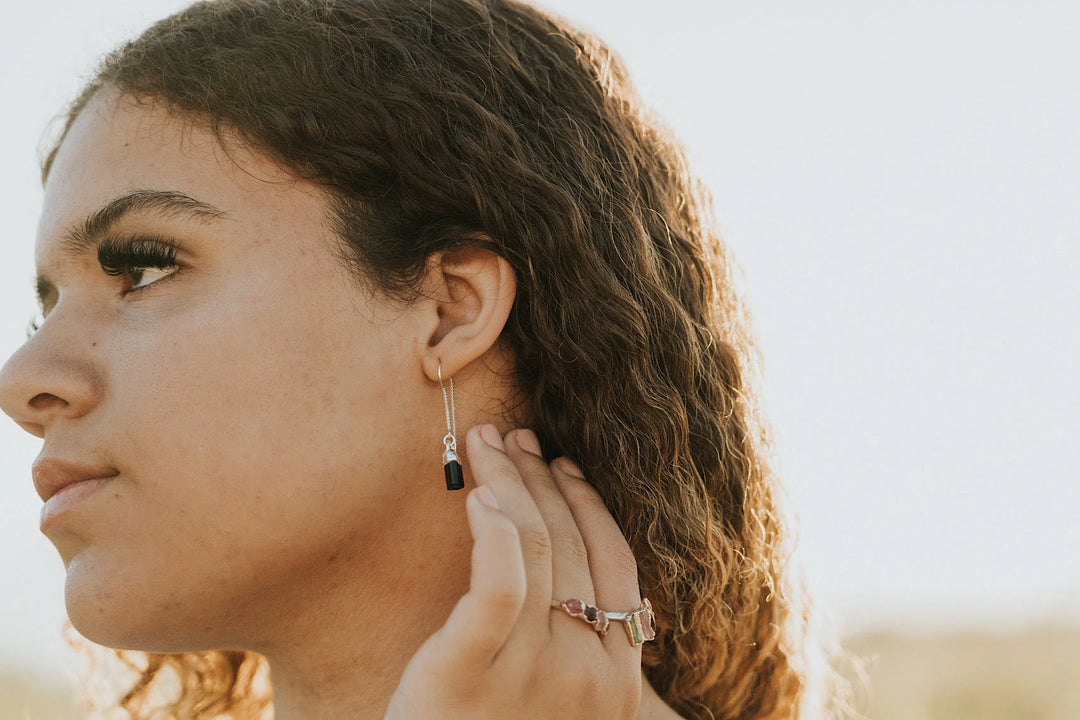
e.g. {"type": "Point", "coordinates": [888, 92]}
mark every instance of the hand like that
{"type": "Point", "coordinates": [540, 533]}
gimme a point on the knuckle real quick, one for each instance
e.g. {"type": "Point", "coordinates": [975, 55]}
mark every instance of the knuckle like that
{"type": "Point", "coordinates": [506, 467]}
{"type": "Point", "coordinates": [625, 561]}
{"type": "Point", "coordinates": [582, 493]}
{"type": "Point", "coordinates": [496, 469]}
{"type": "Point", "coordinates": [504, 599]}
{"type": "Point", "coordinates": [536, 544]}
{"type": "Point", "coordinates": [610, 682]}
{"type": "Point", "coordinates": [533, 472]}
{"type": "Point", "coordinates": [591, 689]}
{"type": "Point", "coordinates": [574, 549]}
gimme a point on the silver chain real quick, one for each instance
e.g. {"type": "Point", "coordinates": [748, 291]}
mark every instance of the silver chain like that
{"type": "Point", "coordinates": [450, 440]}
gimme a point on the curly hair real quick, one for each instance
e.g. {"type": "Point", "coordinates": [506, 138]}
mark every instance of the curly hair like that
{"type": "Point", "coordinates": [433, 124]}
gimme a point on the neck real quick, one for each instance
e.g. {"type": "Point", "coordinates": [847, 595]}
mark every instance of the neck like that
{"type": "Point", "coordinates": [351, 623]}
{"type": "Point", "coordinates": [350, 628]}
{"type": "Point", "coordinates": [344, 639]}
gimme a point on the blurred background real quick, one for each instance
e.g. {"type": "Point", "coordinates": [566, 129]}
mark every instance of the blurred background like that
{"type": "Point", "coordinates": [900, 183]}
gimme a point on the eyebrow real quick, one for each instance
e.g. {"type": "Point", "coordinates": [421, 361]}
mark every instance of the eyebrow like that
{"type": "Point", "coordinates": [85, 236]}
{"type": "Point", "coordinates": [168, 203]}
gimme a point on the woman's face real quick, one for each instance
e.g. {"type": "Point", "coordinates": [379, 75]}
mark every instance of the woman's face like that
{"type": "Point", "coordinates": [253, 403]}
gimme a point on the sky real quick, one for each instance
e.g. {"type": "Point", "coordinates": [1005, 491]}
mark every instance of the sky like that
{"type": "Point", "coordinates": [899, 183]}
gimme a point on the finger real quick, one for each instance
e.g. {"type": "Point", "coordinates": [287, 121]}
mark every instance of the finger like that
{"type": "Point", "coordinates": [484, 618]}
{"type": "Point", "coordinates": [569, 560]}
{"type": "Point", "coordinates": [492, 468]}
{"type": "Point", "coordinates": [611, 561]}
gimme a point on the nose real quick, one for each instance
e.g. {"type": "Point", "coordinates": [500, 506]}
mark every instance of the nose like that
{"type": "Point", "coordinates": [49, 379]}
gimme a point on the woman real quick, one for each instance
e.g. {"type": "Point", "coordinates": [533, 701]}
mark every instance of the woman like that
{"type": "Point", "coordinates": [288, 247]}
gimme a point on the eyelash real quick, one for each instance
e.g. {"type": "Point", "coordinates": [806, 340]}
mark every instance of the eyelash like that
{"type": "Point", "coordinates": [34, 325]}
{"type": "Point", "coordinates": [121, 257]}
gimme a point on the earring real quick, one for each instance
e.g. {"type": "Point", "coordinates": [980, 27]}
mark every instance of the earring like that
{"type": "Point", "coordinates": [455, 479]}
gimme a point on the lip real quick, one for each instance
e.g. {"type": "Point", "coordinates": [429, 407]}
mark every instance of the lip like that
{"type": "Point", "coordinates": [68, 498]}
{"type": "Point", "coordinates": [51, 475]}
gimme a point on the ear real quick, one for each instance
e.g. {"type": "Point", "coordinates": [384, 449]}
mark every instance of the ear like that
{"type": "Point", "coordinates": [473, 290]}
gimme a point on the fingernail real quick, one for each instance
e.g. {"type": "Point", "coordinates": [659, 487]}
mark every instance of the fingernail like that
{"type": "Point", "coordinates": [490, 434]}
{"type": "Point", "coordinates": [487, 497]}
{"type": "Point", "coordinates": [527, 441]}
{"type": "Point", "coordinates": [571, 468]}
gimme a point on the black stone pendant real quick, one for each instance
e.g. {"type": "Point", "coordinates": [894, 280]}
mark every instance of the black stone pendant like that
{"type": "Point", "coordinates": [455, 479]}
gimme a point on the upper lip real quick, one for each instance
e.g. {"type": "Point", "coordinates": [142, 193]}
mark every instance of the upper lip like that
{"type": "Point", "coordinates": [51, 475]}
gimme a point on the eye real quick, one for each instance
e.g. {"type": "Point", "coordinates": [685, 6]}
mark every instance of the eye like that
{"type": "Point", "coordinates": [143, 276]}
{"type": "Point", "coordinates": [139, 261]}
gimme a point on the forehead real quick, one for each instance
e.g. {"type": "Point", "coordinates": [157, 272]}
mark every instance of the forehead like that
{"type": "Point", "coordinates": [118, 146]}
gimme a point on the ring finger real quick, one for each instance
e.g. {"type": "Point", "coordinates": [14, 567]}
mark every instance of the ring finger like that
{"type": "Point", "coordinates": [611, 561]}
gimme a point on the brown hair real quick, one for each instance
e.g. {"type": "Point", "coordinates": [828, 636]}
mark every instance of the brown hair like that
{"type": "Point", "coordinates": [431, 124]}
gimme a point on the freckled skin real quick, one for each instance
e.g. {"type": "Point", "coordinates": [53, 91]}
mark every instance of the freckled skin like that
{"type": "Point", "coordinates": [278, 445]}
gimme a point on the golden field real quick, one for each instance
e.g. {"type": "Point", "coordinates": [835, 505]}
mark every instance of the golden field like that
{"type": "Point", "coordinates": [1025, 675]}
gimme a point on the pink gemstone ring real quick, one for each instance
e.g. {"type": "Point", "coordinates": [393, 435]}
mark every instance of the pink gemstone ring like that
{"type": "Point", "coordinates": [640, 624]}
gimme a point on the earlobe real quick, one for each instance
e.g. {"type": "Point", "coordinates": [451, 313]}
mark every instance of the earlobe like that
{"type": "Point", "coordinates": [474, 289]}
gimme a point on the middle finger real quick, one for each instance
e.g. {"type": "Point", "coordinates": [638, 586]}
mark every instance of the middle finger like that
{"type": "Point", "coordinates": [571, 577]}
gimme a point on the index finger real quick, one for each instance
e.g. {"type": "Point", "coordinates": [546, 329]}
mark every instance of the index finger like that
{"type": "Point", "coordinates": [492, 467]}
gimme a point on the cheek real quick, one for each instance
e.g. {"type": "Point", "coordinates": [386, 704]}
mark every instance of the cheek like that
{"type": "Point", "coordinates": [247, 410]}
{"type": "Point", "coordinates": [256, 443]}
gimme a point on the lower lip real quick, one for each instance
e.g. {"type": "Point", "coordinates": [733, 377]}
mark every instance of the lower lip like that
{"type": "Point", "coordinates": [68, 499]}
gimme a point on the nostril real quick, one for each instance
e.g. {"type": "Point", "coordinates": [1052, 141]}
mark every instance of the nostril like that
{"type": "Point", "coordinates": [41, 401]}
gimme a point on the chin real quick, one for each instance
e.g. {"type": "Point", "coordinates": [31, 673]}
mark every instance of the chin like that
{"type": "Point", "coordinates": [117, 612]}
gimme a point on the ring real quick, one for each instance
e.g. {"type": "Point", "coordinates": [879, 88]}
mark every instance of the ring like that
{"type": "Point", "coordinates": [640, 623]}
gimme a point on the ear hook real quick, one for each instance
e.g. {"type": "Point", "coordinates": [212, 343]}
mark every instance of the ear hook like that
{"type": "Point", "coordinates": [455, 478]}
